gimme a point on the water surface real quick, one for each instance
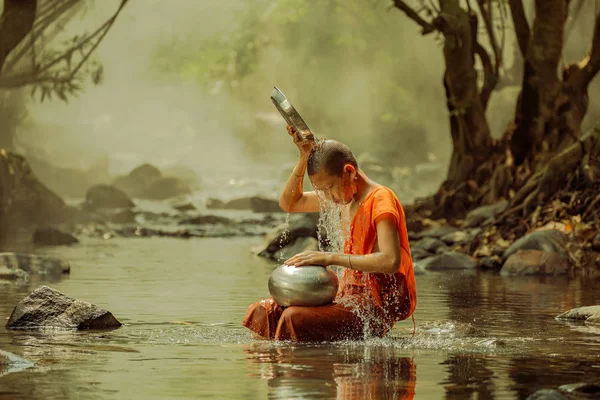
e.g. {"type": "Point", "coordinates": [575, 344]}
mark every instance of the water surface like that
{"type": "Point", "coordinates": [479, 335]}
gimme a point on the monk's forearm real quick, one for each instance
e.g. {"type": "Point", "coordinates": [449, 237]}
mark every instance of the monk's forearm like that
{"type": "Point", "coordinates": [293, 188]}
{"type": "Point", "coordinates": [374, 262]}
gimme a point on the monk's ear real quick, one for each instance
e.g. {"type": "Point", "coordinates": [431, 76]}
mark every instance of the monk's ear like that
{"type": "Point", "coordinates": [350, 170]}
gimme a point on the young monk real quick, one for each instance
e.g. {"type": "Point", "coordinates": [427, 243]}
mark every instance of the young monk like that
{"type": "Point", "coordinates": [378, 285]}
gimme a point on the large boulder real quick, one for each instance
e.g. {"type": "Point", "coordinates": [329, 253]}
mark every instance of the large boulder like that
{"type": "Point", "coordinates": [106, 196]}
{"type": "Point", "coordinates": [49, 308]}
{"type": "Point", "coordinates": [589, 314]}
{"type": "Point", "coordinates": [546, 240]}
{"type": "Point", "coordinates": [25, 203]}
{"type": "Point", "coordinates": [165, 187]}
{"type": "Point", "coordinates": [535, 262]}
{"type": "Point", "coordinates": [53, 237]}
{"type": "Point", "coordinates": [148, 182]}
{"type": "Point", "coordinates": [257, 204]}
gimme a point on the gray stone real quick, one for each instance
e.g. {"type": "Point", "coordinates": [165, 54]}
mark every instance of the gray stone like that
{"type": "Point", "coordinates": [429, 244]}
{"type": "Point", "coordinates": [53, 237]}
{"type": "Point", "coordinates": [12, 274]}
{"type": "Point", "coordinates": [456, 237]}
{"type": "Point", "coordinates": [546, 394]}
{"type": "Point", "coordinates": [417, 253]}
{"type": "Point", "coordinates": [589, 314]}
{"type": "Point", "coordinates": [106, 196]}
{"type": "Point", "coordinates": [549, 241]}
{"type": "Point", "coordinates": [437, 231]}
{"type": "Point", "coordinates": [480, 215]}
{"type": "Point", "coordinates": [35, 263]}
{"type": "Point", "coordinates": [49, 308]}
{"type": "Point", "coordinates": [449, 260]}
{"type": "Point", "coordinates": [535, 262]}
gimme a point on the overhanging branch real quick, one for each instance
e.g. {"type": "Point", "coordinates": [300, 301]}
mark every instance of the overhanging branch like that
{"type": "Point", "coordinates": [412, 14]}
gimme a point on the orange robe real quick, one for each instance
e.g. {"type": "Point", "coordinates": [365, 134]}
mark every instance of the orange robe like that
{"type": "Point", "coordinates": [367, 304]}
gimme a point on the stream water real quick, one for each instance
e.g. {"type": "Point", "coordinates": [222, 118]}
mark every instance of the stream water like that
{"type": "Point", "coordinates": [479, 335]}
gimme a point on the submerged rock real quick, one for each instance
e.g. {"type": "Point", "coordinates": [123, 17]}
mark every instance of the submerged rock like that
{"type": "Point", "coordinates": [449, 260]}
{"type": "Point", "coordinates": [589, 314]}
{"type": "Point", "coordinates": [49, 308]}
{"type": "Point", "coordinates": [35, 264]}
{"type": "Point", "coordinates": [53, 237]}
{"type": "Point", "coordinates": [535, 262]}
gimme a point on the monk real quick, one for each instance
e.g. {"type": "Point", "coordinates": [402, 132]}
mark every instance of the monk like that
{"type": "Point", "coordinates": [378, 285]}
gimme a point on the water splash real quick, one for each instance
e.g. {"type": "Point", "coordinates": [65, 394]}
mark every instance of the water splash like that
{"type": "Point", "coordinates": [283, 238]}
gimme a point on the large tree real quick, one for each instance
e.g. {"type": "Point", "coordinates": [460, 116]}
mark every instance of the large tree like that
{"type": "Point", "coordinates": [535, 155]}
{"type": "Point", "coordinates": [27, 54]}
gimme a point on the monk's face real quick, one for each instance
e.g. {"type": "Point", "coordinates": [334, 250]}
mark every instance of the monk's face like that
{"type": "Point", "coordinates": [339, 189]}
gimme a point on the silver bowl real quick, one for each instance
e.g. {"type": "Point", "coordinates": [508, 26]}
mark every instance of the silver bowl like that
{"type": "Point", "coordinates": [289, 113]}
{"type": "Point", "coordinates": [303, 286]}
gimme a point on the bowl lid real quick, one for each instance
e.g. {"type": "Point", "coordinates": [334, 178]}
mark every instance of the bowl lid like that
{"type": "Point", "coordinates": [288, 112]}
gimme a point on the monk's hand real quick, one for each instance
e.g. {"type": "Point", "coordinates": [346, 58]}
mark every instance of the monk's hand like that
{"type": "Point", "coordinates": [305, 145]}
{"type": "Point", "coordinates": [310, 258]}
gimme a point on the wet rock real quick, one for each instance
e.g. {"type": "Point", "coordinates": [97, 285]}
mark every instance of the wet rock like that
{"type": "Point", "coordinates": [106, 196]}
{"type": "Point", "coordinates": [596, 242]}
{"type": "Point", "coordinates": [165, 187]}
{"type": "Point", "coordinates": [35, 264]}
{"type": "Point", "coordinates": [429, 244]}
{"type": "Point", "coordinates": [185, 207]}
{"type": "Point", "coordinates": [53, 237]}
{"type": "Point", "coordinates": [548, 241]}
{"type": "Point", "coordinates": [264, 205]}
{"type": "Point", "coordinates": [589, 314]}
{"type": "Point", "coordinates": [48, 308]}
{"type": "Point", "coordinates": [126, 216]}
{"type": "Point", "coordinates": [482, 214]}
{"type": "Point", "coordinates": [437, 231]}
{"type": "Point", "coordinates": [491, 262]}
{"type": "Point", "coordinates": [12, 274]}
{"type": "Point", "coordinates": [535, 262]}
{"type": "Point", "coordinates": [418, 253]}
{"type": "Point", "coordinates": [255, 203]}
{"type": "Point", "coordinates": [448, 260]}
{"type": "Point", "coordinates": [456, 237]}
{"type": "Point", "coordinates": [583, 389]}
{"type": "Point", "coordinates": [546, 394]}
{"type": "Point", "coordinates": [206, 219]}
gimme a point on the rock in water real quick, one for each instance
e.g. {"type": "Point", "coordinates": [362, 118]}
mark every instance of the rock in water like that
{"type": "Point", "coordinates": [49, 308]}
{"type": "Point", "coordinates": [35, 263]}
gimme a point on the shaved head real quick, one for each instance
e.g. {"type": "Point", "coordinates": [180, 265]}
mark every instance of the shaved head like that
{"type": "Point", "coordinates": [331, 156]}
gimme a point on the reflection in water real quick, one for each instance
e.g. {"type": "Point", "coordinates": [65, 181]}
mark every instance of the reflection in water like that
{"type": "Point", "coordinates": [334, 372]}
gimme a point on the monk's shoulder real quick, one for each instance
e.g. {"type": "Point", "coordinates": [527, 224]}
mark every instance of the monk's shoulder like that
{"type": "Point", "coordinates": [386, 195]}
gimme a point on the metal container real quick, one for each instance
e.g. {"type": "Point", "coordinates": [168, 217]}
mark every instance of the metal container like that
{"type": "Point", "coordinates": [303, 286]}
{"type": "Point", "coordinates": [289, 113]}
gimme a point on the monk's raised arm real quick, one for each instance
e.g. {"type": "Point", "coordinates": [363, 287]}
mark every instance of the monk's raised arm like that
{"type": "Point", "coordinates": [293, 199]}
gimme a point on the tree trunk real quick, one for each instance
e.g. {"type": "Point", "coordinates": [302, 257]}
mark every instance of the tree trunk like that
{"type": "Point", "coordinates": [16, 22]}
{"type": "Point", "coordinates": [471, 139]}
{"type": "Point", "coordinates": [541, 85]}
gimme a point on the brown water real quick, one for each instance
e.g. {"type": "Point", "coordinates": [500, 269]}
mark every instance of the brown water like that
{"type": "Point", "coordinates": [478, 335]}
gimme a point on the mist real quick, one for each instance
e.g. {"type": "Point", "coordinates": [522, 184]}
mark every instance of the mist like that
{"type": "Point", "coordinates": [367, 78]}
